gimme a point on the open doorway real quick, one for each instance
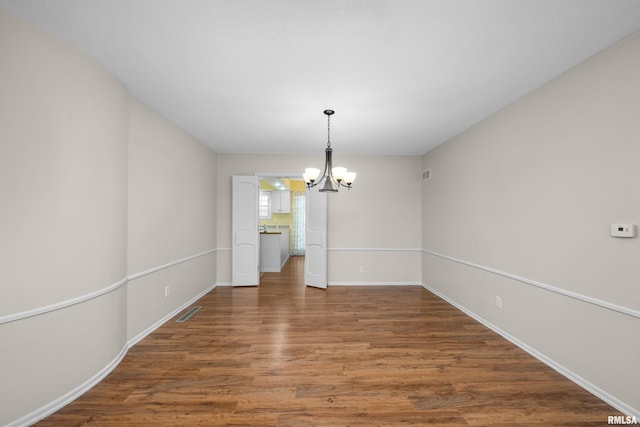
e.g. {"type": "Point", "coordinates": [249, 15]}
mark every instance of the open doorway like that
{"type": "Point", "coordinates": [282, 218]}
{"type": "Point", "coordinates": [247, 235]}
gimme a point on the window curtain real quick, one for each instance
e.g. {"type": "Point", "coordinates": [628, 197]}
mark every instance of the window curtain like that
{"type": "Point", "coordinates": [299, 201]}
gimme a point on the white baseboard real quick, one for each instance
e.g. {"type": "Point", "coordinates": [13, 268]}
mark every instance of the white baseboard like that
{"type": "Point", "coordinates": [133, 341]}
{"type": "Point", "coordinates": [353, 284]}
{"type": "Point", "coordinates": [375, 283]}
{"type": "Point", "coordinates": [224, 284]}
{"type": "Point", "coordinates": [284, 262]}
{"type": "Point", "coordinates": [572, 376]}
{"type": "Point", "coordinates": [48, 409]}
{"type": "Point", "coordinates": [69, 397]}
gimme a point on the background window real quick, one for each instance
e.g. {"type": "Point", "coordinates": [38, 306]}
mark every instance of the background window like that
{"type": "Point", "coordinates": [265, 205]}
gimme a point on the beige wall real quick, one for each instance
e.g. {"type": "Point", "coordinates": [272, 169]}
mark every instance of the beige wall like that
{"type": "Point", "coordinates": [63, 217]}
{"type": "Point", "coordinates": [104, 204]}
{"type": "Point", "coordinates": [380, 215]}
{"type": "Point", "coordinates": [532, 191]}
{"type": "Point", "coordinates": [172, 208]}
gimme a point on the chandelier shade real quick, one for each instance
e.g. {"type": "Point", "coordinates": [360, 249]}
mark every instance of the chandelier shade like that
{"type": "Point", "coordinates": [332, 178]}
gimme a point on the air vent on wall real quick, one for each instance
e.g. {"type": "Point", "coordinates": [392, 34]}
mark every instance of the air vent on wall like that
{"type": "Point", "coordinates": [426, 174]}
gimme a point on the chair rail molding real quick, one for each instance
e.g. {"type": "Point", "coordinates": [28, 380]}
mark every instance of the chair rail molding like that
{"type": "Point", "coordinates": [575, 295]}
{"type": "Point", "coordinates": [98, 293]}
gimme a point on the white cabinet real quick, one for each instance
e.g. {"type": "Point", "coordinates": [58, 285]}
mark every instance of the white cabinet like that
{"type": "Point", "coordinates": [274, 250]}
{"type": "Point", "coordinates": [281, 201]}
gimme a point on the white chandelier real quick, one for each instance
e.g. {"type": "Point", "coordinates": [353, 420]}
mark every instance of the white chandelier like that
{"type": "Point", "coordinates": [333, 178]}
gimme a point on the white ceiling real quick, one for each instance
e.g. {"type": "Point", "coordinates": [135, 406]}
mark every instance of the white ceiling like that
{"type": "Point", "coordinates": [403, 75]}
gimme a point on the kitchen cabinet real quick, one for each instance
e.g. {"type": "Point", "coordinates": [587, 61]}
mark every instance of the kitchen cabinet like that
{"type": "Point", "coordinates": [281, 201]}
{"type": "Point", "coordinates": [274, 249]}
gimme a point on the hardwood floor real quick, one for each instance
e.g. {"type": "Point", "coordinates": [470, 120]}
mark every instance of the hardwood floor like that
{"type": "Point", "coordinates": [285, 355]}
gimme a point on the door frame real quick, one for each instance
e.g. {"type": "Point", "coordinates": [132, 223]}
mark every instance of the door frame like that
{"type": "Point", "coordinates": [297, 175]}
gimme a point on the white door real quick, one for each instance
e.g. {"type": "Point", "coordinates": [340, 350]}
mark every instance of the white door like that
{"type": "Point", "coordinates": [245, 231]}
{"type": "Point", "coordinates": [315, 256]}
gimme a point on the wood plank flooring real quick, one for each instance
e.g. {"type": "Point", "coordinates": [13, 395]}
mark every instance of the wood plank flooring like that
{"type": "Point", "coordinates": [285, 355]}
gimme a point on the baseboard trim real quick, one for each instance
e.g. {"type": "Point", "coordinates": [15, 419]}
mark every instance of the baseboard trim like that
{"type": "Point", "coordinates": [282, 264]}
{"type": "Point", "coordinates": [69, 397]}
{"type": "Point", "coordinates": [375, 283]}
{"type": "Point", "coordinates": [139, 337]}
{"type": "Point", "coordinates": [572, 376]}
{"type": "Point", "coordinates": [584, 298]}
{"type": "Point", "coordinates": [48, 409]}
{"type": "Point", "coordinates": [352, 284]}
{"type": "Point", "coordinates": [374, 249]}
{"type": "Point", "coordinates": [224, 284]}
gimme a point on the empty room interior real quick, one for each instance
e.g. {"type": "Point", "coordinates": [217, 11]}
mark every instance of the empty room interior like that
{"type": "Point", "coordinates": [476, 263]}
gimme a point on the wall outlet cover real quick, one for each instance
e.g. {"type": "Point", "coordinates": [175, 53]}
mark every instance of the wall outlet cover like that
{"type": "Point", "coordinates": [623, 230]}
